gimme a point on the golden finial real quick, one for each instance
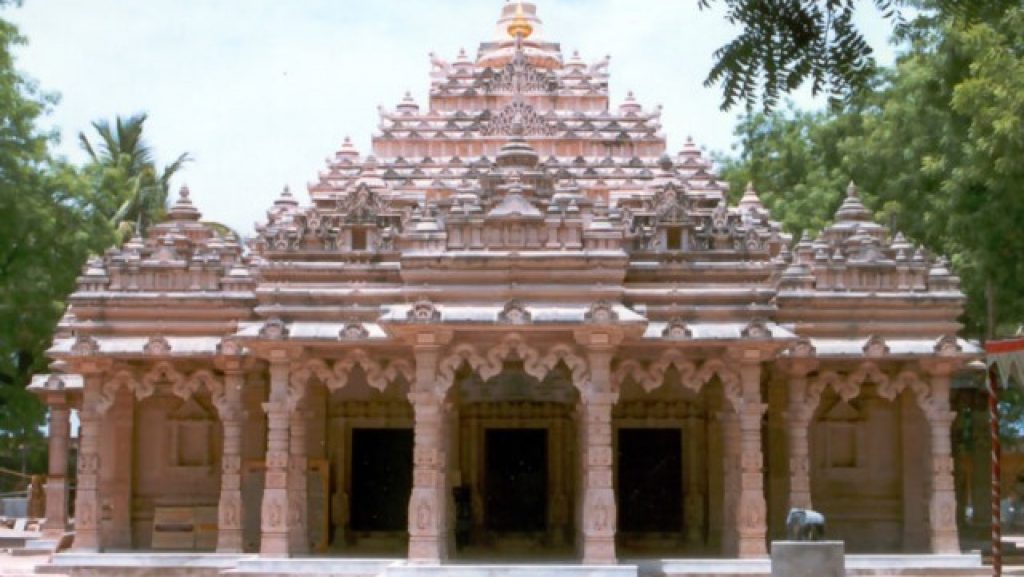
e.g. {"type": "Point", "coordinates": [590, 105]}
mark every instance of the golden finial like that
{"type": "Point", "coordinates": [520, 25]}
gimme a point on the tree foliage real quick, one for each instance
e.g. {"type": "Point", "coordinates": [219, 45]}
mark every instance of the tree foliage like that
{"type": "Point", "coordinates": [48, 226]}
{"type": "Point", "coordinates": [123, 167]}
{"type": "Point", "coordinates": [783, 44]}
{"type": "Point", "coordinates": [936, 150]}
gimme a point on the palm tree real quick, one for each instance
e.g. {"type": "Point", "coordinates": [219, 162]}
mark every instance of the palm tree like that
{"type": "Point", "coordinates": [127, 174]}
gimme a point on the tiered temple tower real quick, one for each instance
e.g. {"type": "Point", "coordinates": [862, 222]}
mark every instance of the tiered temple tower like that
{"type": "Point", "coordinates": [517, 326]}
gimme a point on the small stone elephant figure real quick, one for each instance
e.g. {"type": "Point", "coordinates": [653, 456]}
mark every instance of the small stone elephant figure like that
{"type": "Point", "coordinates": [805, 525]}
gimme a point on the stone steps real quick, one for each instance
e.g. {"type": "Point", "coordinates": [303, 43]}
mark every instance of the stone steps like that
{"type": "Point", "coordinates": [405, 570]}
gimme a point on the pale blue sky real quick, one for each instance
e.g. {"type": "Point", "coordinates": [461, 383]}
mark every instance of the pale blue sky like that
{"type": "Point", "coordinates": [261, 91]}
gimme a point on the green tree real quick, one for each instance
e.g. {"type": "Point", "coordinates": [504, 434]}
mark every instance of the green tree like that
{"type": "Point", "coordinates": [49, 224]}
{"type": "Point", "coordinates": [123, 166]}
{"type": "Point", "coordinates": [936, 151]}
{"type": "Point", "coordinates": [782, 44]}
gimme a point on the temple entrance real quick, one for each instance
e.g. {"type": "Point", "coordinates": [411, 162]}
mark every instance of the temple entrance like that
{"type": "Point", "coordinates": [381, 479]}
{"type": "Point", "coordinates": [650, 481]}
{"type": "Point", "coordinates": [516, 478]}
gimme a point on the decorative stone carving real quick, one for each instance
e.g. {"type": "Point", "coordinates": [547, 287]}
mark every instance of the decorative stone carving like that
{"type": "Point", "coordinates": [518, 116]}
{"type": "Point", "coordinates": [676, 330]}
{"type": "Point", "coordinates": [85, 346]}
{"type": "Point", "coordinates": [802, 349]}
{"type": "Point", "coordinates": [756, 329]}
{"type": "Point", "coordinates": [875, 347]}
{"type": "Point", "coordinates": [362, 205]}
{"type": "Point", "coordinates": [514, 313]}
{"type": "Point", "coordinates": [54, 383]}
{"type": "Point", "coordinates": [601, 312]}
{"type": "Point", "coordinates": [274, 329]}
{"type": "Point", "coordinates": [948, 346]}
{"type": "Point", "coordinates": [163, 372]}
{"type": "Point", "coordinates": [424, 311]}
{"type": "Point", "coordinates": [353, 332]}
{"type": "Point", "coordinates": [229, 347]}
{"type": "Point", "coordinates": [157, 347]}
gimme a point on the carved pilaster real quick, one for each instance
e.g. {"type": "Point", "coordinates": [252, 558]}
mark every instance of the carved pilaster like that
{"type": "Point", "coordinates": [730, 443]}
{"type": "Point", "coordinates": [298, 533]}
{"type": "Point", "coordinates": [752, 513]}
{"type": "Point", "coordinates": [693, 506]}
{"type": "Point", "coordinates": [230, 510]}
{"type": "Point", "coordinates": [56, 482]}
{"type": "Point", "coordinates": [798, 419]}
{"type": "Point", "coordinates": [942, 505]}
{"type": "Point", "coordinates": [428, 518]}
{"type": "Point", "coordinates": [274, 512]}
{"type": "Point", "coordinates": [598, 523]}
{"type": "Point", "coordinates": [87, 533]}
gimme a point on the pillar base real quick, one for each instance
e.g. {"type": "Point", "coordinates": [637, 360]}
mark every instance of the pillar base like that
{"type": "Point", "coordinates": [599, 551]}
{"type": "Point", "coordinates": [426, 551]}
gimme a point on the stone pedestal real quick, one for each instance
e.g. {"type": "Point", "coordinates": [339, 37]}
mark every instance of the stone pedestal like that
{"type": "Point", "coordinates": [808, 559]}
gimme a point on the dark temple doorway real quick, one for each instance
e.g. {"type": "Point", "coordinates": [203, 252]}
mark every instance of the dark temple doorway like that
{"type": "Point", "coordinates": [650, 490]}
{"type": "Point", "coordinates": [516, 478]}
{"type": "Point", "coordinates": [381, 479]}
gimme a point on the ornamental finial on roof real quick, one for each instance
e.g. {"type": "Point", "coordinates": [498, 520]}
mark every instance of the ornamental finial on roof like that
{"type": "Point", "coordinates": [183, 208]}
{"type": "Point", "coordinates": [852, 208]}
{"type": "Point", "coordinates": [520, 25]}
{"type": "Point", "coordinates": [751, 200]}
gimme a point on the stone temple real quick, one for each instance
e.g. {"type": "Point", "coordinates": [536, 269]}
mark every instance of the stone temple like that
{"type": "Point", "coordinates": [517, 328]}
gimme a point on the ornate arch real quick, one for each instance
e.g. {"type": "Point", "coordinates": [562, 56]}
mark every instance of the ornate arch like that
{"type": "Point", "coordinates": [161, 372]}
{"type": "Point", "coordinates": [909, 379]}
{"type": "Point", "coordinates": [450, 364]}
{"type": "Point", "coordinates": [577, 365]}
{"type": "Point", "coordinates": [691, 376]}
{"type": "Point", "coordinates": [492, 363]}
{"type": "Point", "coordinates": [847, 388]}
{"type": "Point", "coordinates": [122, 378]}
{"type": "Point", "coordinates": [205, 379]}
{"type": "Point", "coordinates": [336, 376]}
{"type": "Point", "coordinates": [513, 344]}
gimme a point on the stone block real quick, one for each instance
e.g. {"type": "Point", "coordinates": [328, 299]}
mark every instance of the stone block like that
{"type": "Point", "coordinates": [808, 559]}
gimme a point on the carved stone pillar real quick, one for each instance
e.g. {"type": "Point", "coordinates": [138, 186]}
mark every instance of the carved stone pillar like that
{"type": "Point", "coordinates": [230, 510]}
{"type": "Point", "coordinates": [119, 452]}
{"type": "Point", "coordinates": [693, 471]}
{"type": "Point", "coordinates": [598, 520]}
{"type": "Point", "coordinates": [730, 443]}
{"type": "Point", "coordinates": [87, 528]}
{"type": "Point", "coordinates": [942, 505]}
{"type": "Point", "coordinates": [57, 479]}
{"type": "Point", "coordinates": [798, 420]}
{"type": "Point", "coordinates": [428, 518]}
{"type": "Point", "coordinates": [752, 515]}
{"type": "Point", "coordinates": [298, 531]}
{"type": "Point", "coordinates": [274, 520]}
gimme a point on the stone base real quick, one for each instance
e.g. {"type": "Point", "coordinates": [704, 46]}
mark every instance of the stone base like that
{"type": "Point", "coordinates": [808, 559]}
{"type": "Point", "coordinates": [404, 570]}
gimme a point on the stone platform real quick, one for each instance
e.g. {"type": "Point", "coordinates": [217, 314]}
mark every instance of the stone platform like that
{"type": "Point", "coordinates": [146, 564]}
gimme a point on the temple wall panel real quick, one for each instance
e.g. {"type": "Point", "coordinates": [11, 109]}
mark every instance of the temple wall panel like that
{"type": "Point", "coordinates": [177, 448]}
{"type": "Point", "coordinates": [857, 472]}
